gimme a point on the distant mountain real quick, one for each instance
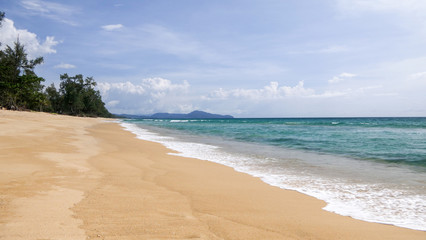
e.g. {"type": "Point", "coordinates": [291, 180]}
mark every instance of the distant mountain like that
{"type": "Point", "coordinates": [131, 116]}
{"type": "Point", "coordinates": [191, 115]}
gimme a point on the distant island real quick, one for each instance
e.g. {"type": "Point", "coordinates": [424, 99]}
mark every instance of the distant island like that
{"type": "Point", "coordinates": [192, 115]}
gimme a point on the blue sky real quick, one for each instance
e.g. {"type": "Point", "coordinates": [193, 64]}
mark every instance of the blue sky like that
{"type": "Point", "coordinates": [287, 58]}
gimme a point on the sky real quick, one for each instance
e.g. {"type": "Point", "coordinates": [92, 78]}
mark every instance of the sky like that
{"type": "Point", "coordinates": [246, 58]}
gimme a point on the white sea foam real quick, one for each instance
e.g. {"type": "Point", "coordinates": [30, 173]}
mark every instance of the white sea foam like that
{"type": "Point", "coordinates": [179, 121]}
{"type": "Point", "coordinates": [365, 201]}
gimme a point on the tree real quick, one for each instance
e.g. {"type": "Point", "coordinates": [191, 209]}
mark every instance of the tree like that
{"type": "Point", "coordinates": [77, 96]}
{"type": "Point", "coordinates": [92, 99]}
{"type": "Point", "coordinates": [54, 99]}
{"type": "Point", "coordinates": [1, 17]}
{"type": "Point", "coordinates": [21, 88]}
{"type": "Point", "coordinates": [71, 91]}
{"type": "Point", "coordinates": [30, 95]}
{"type": "Point", "coordinates": [19, 85]}
{"type": "Point", "coordinates": [17, 77]}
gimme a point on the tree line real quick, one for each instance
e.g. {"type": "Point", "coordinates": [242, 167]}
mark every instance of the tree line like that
{"type": "Point", "coordinates": [22, 89]}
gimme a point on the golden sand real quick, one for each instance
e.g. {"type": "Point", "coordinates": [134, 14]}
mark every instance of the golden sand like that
{"type": "Point", "coordinates": [75, 178]}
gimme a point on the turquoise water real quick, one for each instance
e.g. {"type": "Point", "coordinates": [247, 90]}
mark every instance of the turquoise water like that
{"type": "Point", "coordinates": [398, 140]}
{"type": "Point", "coordinates": [372, 169]}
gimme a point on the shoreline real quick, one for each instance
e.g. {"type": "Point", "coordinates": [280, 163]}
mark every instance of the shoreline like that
{"type": "Point", "coordinates": [344, 183]}
{"type": "Point", "coordinates": [107, 184]}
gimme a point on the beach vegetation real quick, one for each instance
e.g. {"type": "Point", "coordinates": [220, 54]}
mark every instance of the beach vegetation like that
{"type": "Point", "coordinates": [53, 98]}
{"type": "Point", "coordinates": [22, 89]}
{"type": "Point", "coordinates": [76, 96]}
{"type": "Point", "coordinates": [1, 17]}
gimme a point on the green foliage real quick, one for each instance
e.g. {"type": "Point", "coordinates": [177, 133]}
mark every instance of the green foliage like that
{"type": "Point", "coordinates": [30, 95]}
{"type": "Point", "coordinates": [71, 89]}
{"type": "Point", "coordinates": [1, 17]}
{"type": "Point", "coordinates": [53, 99]}
{"type": "Point", "coordinates": [77, 96]}
{"type": "Point", "coordinates": [20, 88]}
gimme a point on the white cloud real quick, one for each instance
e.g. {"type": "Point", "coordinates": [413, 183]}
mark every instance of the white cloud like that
{"type": "Point", "coordinates": [149, 96]}
{"type": "Point", "coordinates": [65, 66]}
{"type": "Point", "coordinates": [335, 79]}
{"type": "Point", "coordinates": [9, 34]}
{"type": "Point", "coordinates": [341, 77]}
{"type": "Point", "coordinates": [272, 100]}
{"type": "Point", "coordinates": [150, 85]}
{"type": "Point", "coordinates": [112, 103]}
{"type": "Point", "coordinates": [161, 84]}
{"type": "Point", "coordinates": [275, 92]}
{"type": "Point", "coordinates": [218, 94]}
{"type": "Point", "coordinates": [52, 10]}
{"type": "Point", "coordinates": [123, 87]}
{"type": "Point", "coordinates": [332, 94]}
{"type": "Point", "coordinates": [112, 27]}
{"type": "Point", "coordinates": [421, 75]}
{"type": "Point", "coordinates": [268, 92]}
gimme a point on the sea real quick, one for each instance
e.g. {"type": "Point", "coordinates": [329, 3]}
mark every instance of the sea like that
{"type": "Point", "coordinates": [372, 169]}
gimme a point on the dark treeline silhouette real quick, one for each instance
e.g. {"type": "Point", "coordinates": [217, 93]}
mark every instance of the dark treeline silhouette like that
{"type": "Point", "coordinates": [22, 89]}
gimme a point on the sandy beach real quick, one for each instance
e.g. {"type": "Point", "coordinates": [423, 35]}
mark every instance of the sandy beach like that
{"type": "Point", "coordinates": [65, 177]}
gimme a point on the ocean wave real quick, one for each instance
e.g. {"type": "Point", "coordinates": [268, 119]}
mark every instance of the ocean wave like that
{"type": "Point", "coordinates": [179, 121]}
